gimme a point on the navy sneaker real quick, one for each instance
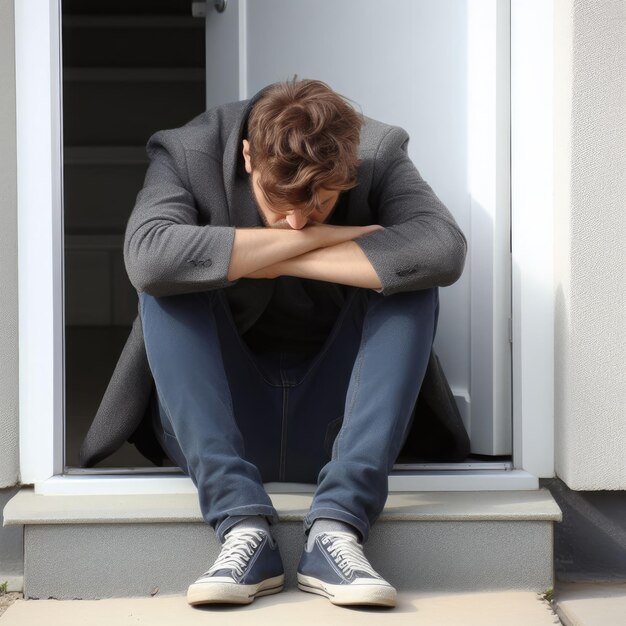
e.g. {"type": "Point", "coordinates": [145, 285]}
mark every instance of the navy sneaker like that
{"type": "Point", "coordinates": [248, 566]}
{"type": "Point", "coordinates": [337, 568]}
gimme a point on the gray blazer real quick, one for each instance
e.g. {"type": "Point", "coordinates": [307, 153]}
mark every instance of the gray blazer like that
{"type": "Point", "coordinates": [179, 239]}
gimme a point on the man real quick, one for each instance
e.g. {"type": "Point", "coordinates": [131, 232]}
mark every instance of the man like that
{"type": "Point", "coordinates": [288, 316]}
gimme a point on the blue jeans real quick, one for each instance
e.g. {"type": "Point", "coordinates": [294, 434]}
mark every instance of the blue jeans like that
{"type": "Point", "coordinates": [233, 419]}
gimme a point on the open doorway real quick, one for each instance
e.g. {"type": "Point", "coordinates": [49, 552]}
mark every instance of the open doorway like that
{"type": "Point", "coordinates": [129, 68]}
{"type": "Point", "coordinates": [490, 418]}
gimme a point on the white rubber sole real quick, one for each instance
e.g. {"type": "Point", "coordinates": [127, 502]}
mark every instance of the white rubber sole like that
{"type": "Point", "coordinates": [232, 593]}
{"type": "Point", "coordinates": [371, 594]}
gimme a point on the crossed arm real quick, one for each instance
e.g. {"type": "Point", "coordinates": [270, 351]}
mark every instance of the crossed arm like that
{"type": "Point", "coordinates": [343, 263]}
{"type": "Point", "coordinates": [325, 259]}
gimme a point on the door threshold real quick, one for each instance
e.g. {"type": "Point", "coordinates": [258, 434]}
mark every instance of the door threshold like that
{"type": "Point", "coordinates": [165, 481]}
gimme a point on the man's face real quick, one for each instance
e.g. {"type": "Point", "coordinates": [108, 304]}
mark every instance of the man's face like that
{"type": "Point", "coordinates": [292, 216]}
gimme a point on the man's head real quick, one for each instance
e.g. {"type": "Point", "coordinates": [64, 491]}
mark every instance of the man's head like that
{"type": "Point", "coordinates": [301, 152]}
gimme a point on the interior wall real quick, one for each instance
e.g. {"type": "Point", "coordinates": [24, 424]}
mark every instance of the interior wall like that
{"type": "Point", "coordinates": [130, 68]}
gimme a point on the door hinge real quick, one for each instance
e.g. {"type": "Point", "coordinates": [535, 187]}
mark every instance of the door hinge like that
{"type": "Point", "coordinates": [199, 9]}
{"type": "Point", "coordinates": [510, 330]}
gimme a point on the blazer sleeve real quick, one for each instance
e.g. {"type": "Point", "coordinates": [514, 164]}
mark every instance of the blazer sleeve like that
{"type": "Point", "coordinates": [166, 250]}
{"type": "Point", "coordinates": [421, 245]}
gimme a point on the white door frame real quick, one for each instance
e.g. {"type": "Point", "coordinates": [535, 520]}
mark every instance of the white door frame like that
{"type": "Point", "coordinates": [41, 275]}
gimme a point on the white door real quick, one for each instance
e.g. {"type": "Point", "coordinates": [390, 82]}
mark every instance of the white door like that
{"type": "Point", "coordinates": [440, 69]}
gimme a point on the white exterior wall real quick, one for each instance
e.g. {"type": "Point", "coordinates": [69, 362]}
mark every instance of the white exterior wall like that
{"type": "Point", "coordinates": [590, 244]}
{"type": "Point", "coordinates": [9, 433]}
{"type": "Point", "coordinates": [11, 537]}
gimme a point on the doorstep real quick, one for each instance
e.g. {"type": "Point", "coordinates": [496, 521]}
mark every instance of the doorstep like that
{"type": "Point", "coordinates": [114, 546]}
{"type": "Point", "coordinates": [27, 507]}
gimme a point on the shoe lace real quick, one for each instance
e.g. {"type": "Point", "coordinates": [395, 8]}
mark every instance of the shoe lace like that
{"type": "Point", "coordinates": [347, 553]}
{"type": "Point", "coordinates": [238, 547]}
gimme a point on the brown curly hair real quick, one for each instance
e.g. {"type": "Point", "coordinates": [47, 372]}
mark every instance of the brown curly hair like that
{"type": "Point", "coordinates": [303, 136]}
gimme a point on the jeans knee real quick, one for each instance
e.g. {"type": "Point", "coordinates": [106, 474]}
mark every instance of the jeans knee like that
{"type": "Point", "coordinates": [420, 296]}
{"type": "Point", "coordinates": [424, 302]}
{"type": "Point", "coordinates": [419, 300]}
{"type": "Point", "coordinates": [429, 295]}
{"type": "Point", "coordinates": [188, 299]}
{"type": "Point", "coordinates": [429, 292]}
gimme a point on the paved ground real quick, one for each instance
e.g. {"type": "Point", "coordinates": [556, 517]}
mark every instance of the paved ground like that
{"type": "Point", "coordinates": [590, 604]}
{"type": "Point", "coordinates": [8, 598]}
{"type": "Point", "coordinates": [519, 608]}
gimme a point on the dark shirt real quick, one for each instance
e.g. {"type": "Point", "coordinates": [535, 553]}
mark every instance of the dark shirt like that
{"type": "Point", "coordinates": [301, 311]}
{"type": "Point", "coordinates": [298, 317]}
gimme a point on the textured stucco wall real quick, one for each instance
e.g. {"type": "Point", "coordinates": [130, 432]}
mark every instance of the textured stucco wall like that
{"type": "Point", "coordinates": [590, 243]}
{"type": "Point", "coordinates": [9, 440]}
{"type": "Point", "coordinates": [11, 537]}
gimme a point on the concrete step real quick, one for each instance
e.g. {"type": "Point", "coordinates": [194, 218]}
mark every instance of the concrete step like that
{"type": "Point", "coordinates": [521, 608]}
{"type": "Point", "coordinates": [107, 546]}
